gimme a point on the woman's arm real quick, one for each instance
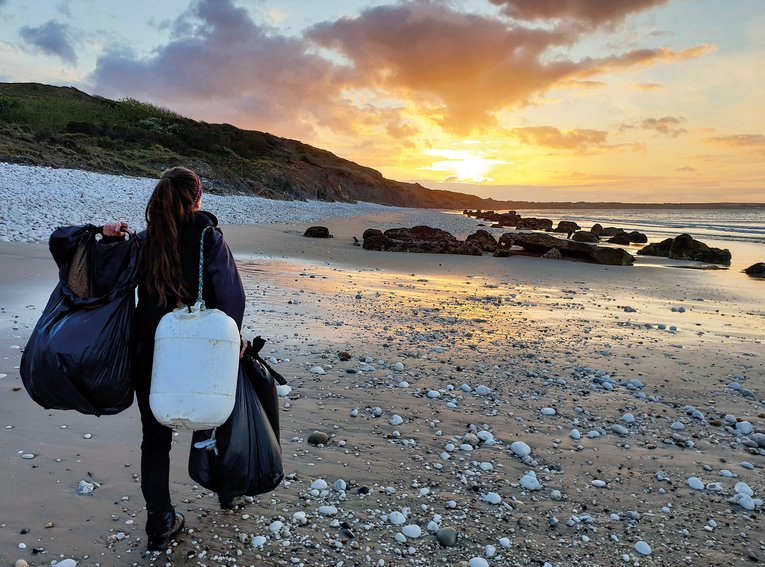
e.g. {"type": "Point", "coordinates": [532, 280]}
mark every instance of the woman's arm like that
{"type": "Point", "coordinates": [226, 283]}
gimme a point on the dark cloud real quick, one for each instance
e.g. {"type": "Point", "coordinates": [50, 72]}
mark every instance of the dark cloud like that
{"type": "Point", "coordinates": [219, 56]}
{"type": "Point", "coordinates": [53, 38]}
{"type": "Point", "coordinates": [591, 13]}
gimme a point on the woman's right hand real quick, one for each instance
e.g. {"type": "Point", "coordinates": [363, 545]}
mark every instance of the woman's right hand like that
{"type": "Point", "coordinates": [114, 228]}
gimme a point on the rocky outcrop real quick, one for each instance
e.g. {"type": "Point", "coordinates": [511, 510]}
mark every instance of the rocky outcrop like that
{"type": "Point", "coordinates": [611, 231]}
{"type": "Point", "coordinates": [637, 237]}
{"type": "Point", "coordinates": [621, 239]}
{"type": "Point", "coordinates": [541, 243]}
{"type": "Point", "coordinates": [532, 223]}
{"type": "Point", "coordinates": [317, 232]}
{"type": "Point", "coordinates": [597, 229]}
{"type": "Point", "coordinates": [756, 270]}
{"type": "Point", "coordinates": [567, 227]}
{"type": "Point", "coordinates": [484, 240]}
{"type": "Point", "coordinates": [418, 239]}
{"type": "Point", "coordinates": [585, 236]}
{"type": "Point", "coordinates": [685, 247]}
{"type": "Point", "coordinates": [509, 218]}
{"type": "Point", "coordinates": [552, 254]}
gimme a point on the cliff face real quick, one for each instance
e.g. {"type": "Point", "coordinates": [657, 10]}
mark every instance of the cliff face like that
{"type": "Point", "coordinates": [64, 127]}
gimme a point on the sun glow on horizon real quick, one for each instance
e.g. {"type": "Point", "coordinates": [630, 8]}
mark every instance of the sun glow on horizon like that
{"type": "Point", "coordinates": [463, 165]}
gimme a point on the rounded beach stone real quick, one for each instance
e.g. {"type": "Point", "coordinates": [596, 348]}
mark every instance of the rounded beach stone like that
{"type": "Point", "coordinates": [319, 484]}
{"type": "Point", "coordinates": [478, 562]}
{"type": "Point", "coordinates": [411, 531]}
{"type": "Point", "coordinates": [318, 438]}
{"type": "Point", "coordinates": [643, 548]}
{"type": "Point", "coordinates": [696, 483]}
{"type": "Point", "coordinates": [447, 537]}
{"type": "Point", "coordinates": [520, 448]}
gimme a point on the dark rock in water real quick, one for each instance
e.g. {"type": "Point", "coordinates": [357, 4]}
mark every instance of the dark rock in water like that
{"type": "Point", "coordinates": [447, 537]}
{"type": "Point", "coordinates": [541, 243]}
{"type": "Point", "coordinates": [484, 240]}
{"type": "Point", "coordinates": [317, 232]}
{"type": "Point", "coordinates": [597, 229]}
{"type": "Point", "coordinates": [584, 236]}
{"type": "Point", "coordinates": [621, 238]}
{"type": "Point", "coordinates": [371, 232]}
{"type": "Point", "coordinates": [637, 237]}
{"type": "Point", "coordinates": [532, 223]}
{"type": "Point", "coordinates": [505, 241]}
{"type": "Point", "coordinates": [567, 227]}
{"type": "Point", "coordinates": [611, 231]}
{"type": "Point", "coordinates": [685, 247]}
{"type": "Point", "coordinates": [501, 253]}
{"type": "Point", "coordinates": [419, 239]}
{"type": "Point", "coordinates": [756, 270]}
{"type": "Point", "coordinates": [318, 438]}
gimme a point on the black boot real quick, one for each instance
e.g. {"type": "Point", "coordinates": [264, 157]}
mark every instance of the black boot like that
{"type": "Point", "coordinates": [162, 527]}
{"type": "Point", "coordinates": [231, 502]}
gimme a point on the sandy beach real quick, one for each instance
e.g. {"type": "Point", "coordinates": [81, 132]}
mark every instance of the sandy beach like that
{"type": "Point", "coordinates": [620, 383]}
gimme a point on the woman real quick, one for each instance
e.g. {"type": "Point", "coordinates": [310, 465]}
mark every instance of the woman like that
{"type": "Point", "coordinates": [169, 278]}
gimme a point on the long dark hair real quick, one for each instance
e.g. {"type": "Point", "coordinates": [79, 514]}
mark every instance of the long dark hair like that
{"type": "Point", "coordinates": [174, 198]}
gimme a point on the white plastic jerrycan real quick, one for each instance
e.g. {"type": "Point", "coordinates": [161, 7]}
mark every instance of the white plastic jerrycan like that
{"type": "Point", "coordinates": [196, 364]}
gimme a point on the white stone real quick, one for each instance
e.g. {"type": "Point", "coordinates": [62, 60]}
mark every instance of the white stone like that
{"type": "Point", "coordinates": [258, 541]}
{"type": "Point", "coordinates": [396, 419]}
{"type": "Point", "coordinates": [628, 418]}
{"type": "Point", "coordinates": [520, 448]}
{"type": "Point", "coordinates": [547, 411]}
{"type": "Point", "coordinates": [397, 518]}
{"type": "Point", "coordinates": [643, 548]}
{"type": "Point", "coordinates": [575, 435]}
{"type": "Point", "coordinates": [300, 518]}
{"type": "Point", "coordinates": [283, 390]}
{"type": "Point", "coordinates": [340, 485]}
{"type": "Point", "coordinates": [478, 562]}
{"type": "Point", "coordinates": [433, 394]}
{"type": "Point", "coordinates": [412, 531]}
{"type": "Point", "coordinates": [318, 370]}
{"type": "Point", "coordinates": [327, 510]}
{"type": "Point", "coordinates": [492, 498]}
{"type": "Point", "coordinates": [696, 483]}
{"type": "Point", "coordinates": [398, 367]}
{"type": "Point", "coordinates": [743, 488]}
{"type": "Point", "coordinates": [598, 483]}
{"type": "Point", "coordinates": [482, 391]}
{"type": "Point", "coordinates": [319, 484]}
{"type": "Point", "coordinates": [529, 481]}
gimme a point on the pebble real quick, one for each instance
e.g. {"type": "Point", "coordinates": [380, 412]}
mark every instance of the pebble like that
{"type": "Point", "coordinates": [327, 510]}
{"type": "Point", "coordinates": [412, 531]}
{"type": "Point", "coordinates": [318, 438]}
{"type": "Point", "coordinates": [482, 391]}
{"type": "Point", "coordinates": [492, 498]}
{"type": "Point", "coordinates": [696, 483]}
{"type": "Point", "coordinates": [598, 483]}
{"type": "Point", "coordinates": [283, 390]}
{"type": "Point", "coordinates": [478, 562]}
{"type": "Point", "coordinates": [743, 488]}
{"type": "Point", "coordinates": [643, 548]}
{"type": "Point", "coordinates": [677, 426]}
{"type": "Point", "coordinates": [433, 394]}
{"type": "Point", "coordinates": [628, 418]}
{"type": "Point", "coordinates": [520, 448]}
{"type": "Point", "coordinates": [318, 370]}
{"type": "Point", "coordinates": [529, 481]}
{"type": "Point", "coordinates": [398, 367]}
{"type": "Point", "coordinates": [319, 484]}
{"type": "Point", "coordinates": [397, 518]}
{"type": "Point", "coordinates": [620, 429]}
{"type": "Point", "coordinates": [744, 427]}
{"type": "Point", "coordinates": [396, 419]}
{"type": "Point", "coordinates": [21, 563]}
{"type": "Point", "coordinates": [547, 411]}
{"type": "Point", "coordinates": [575, 434]}
{"type": "Point", "coordinates": [340, 485]}
{"type": "Point", "coordinates": [28, 456]}
{"type": "Point", "coordinates": [447, 537]}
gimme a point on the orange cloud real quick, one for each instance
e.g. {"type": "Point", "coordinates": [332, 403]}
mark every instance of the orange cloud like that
{"type": "Point", "coordinates": [669, 125]}
{"type": "Point", "coordinates": [753, 142]}
{"type": "Point", "coordinates": [578, 139]}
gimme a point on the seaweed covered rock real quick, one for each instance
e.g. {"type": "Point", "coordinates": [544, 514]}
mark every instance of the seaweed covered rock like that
{"type": "Point", "coordinates": [685, 247]}
{"type": "Point", "coordinates": [541, 243]}
{"type": "Point", "coordinates": [484, 240]}
{"type": "Point", "coordinates": [756, 270]}
{"type": "Point", "coordinates": [418, 239]}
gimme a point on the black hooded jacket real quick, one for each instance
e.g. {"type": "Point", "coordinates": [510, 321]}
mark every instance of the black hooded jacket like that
{"type": "Point", "coordinates": [222, 285]}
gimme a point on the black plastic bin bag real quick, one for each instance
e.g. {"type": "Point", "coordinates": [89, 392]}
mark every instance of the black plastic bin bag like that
{"type": "Point", "coordinates": [78, 356]}
{"type": "Point", "coordinates": [242, 456]}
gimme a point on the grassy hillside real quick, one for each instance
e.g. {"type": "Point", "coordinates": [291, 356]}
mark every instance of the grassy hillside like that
{"type": "Point", "coordinates": [64, 127]}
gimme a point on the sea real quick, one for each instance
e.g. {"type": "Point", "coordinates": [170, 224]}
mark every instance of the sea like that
{"type": "Point", "coordinates": [741, 230]}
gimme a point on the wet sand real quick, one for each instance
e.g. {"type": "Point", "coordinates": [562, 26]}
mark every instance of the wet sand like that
{"type": "Point", "coordinates": [535, 333]}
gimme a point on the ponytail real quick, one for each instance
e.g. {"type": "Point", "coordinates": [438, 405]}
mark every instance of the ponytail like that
{"type": "Point", "coordinates": [173, 199]}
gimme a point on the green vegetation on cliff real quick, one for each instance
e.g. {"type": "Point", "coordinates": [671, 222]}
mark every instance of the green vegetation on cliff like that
{"type": "Point", "coordinates": [65, 127]}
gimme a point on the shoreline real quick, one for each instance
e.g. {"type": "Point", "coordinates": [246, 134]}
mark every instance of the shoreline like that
{"type": "Point", "coordinates": [535, 333]}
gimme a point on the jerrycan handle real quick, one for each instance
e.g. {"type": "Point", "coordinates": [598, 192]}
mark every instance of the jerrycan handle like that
{"type": "Point", "coordinates": [200, 301]}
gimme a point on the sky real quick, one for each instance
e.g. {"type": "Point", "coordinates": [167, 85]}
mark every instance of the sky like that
{"type": "Point", "coordinates": [540, 100]}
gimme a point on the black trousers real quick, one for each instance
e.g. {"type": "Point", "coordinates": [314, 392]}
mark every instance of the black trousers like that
{"type": "Point", "coordinates": [157, 439]}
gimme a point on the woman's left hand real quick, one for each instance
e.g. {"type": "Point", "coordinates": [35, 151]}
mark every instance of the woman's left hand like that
{"type": "Point", "coordinates": [114, 228]}
{"type": "Point", "coordinates": [245, 344]}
